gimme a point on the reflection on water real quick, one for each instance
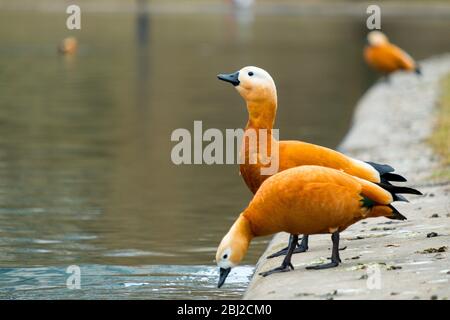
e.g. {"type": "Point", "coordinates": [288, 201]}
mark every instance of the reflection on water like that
{"type": "Point", "coordinates": [85, 171]}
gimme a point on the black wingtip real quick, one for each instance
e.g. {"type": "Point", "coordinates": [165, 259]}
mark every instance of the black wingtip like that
{"type": "Point", "coordinates": [399, 197]}
{"type": "Point", "coordinates": [395, 214]}
{"type": "Point", "coordinates": [381, 168]}
{"type": "Point", "coordinates": [409, 191]}
{"type": "Point", "coordinates": [396, 189]}
{"type": "Point", "coordinates": [393, 177]}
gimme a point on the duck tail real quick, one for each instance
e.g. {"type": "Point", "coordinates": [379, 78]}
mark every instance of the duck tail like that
{"type": "Point", "coordinates": [386, 172]}
{"type": "Point", "coordinates": [381, 168]}
{"type": "Point", "coordinates": [387, 176]}
{"type": "Point", "coordinates": [396, 191]}
{"type": "Point", "coordinates": [387, 211]}
{"type": "Point", "coordinates": [395, 215]}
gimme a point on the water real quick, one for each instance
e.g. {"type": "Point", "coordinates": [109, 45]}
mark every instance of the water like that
{"type": "Point", "coordinates": [122, 282]}
{"type": "Point", "coordinates": [85, 171]}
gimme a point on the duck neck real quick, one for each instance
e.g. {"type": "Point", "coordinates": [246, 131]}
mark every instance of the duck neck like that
{"type": "Point", "coordinates": [261, 114]}
{"type": "Point", "coordinates": [242, 230]}
{"type": "Point", "coordinates": [244, 226]}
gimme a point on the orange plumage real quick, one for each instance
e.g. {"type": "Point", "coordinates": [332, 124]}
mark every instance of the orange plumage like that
{"type": "Point", "coordinates": [259, 92]}
{"type": "Point", "coordinates": [258, 89]}
{"type": "Point", "coordinates": [316, 189]}
{"type": "Point", "coordinates": [302, 200]}
{"type": "Point", "coordinates": [68, 45]}
{"type": "Point", "coordinates": [312, 200]}
{"type": "Point", "coordinates": [386, 57]}
{"type": "Point", "coordinates": [298, 153]}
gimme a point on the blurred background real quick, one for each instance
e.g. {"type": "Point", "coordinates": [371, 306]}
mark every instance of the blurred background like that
{"type": "Point", "coordinates": [85, 170]}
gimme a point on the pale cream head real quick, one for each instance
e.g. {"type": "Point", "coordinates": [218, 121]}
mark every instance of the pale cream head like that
{"type": "Point", "coordinates": [254, 84]}
{"type": "Point", "coordinates": [376, 38]}
{"type": "Point", "coordinates": [233, 247]}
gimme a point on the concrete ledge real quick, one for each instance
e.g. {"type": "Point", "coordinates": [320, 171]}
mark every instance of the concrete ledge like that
{"type": "Point", "coordinates": [391, 123]}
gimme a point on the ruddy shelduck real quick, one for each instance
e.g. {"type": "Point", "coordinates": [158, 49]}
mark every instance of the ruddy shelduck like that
{"type": "Point", "coordinates": [258, 89]}
{"type": "Point", "coordinates": [303, 200]}
{"type": "Point", "coordinates": [68, 45]}
{"type": "Point", "coordinates": [386, 57]}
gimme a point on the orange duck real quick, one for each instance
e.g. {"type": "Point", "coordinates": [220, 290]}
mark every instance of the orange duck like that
{"type": "Point", "coordinates": [304, 200]}
{"type": "Point", "coordinates": [258, 89]}
{"type": "Point", "coordinates": [386, 57]}
{"type": "Point", "coordinates": [68, 45]}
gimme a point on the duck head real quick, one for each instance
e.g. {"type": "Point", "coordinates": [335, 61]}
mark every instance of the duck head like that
{"type": "Point", "coordinates": [68, 45]}
{"type": "Point", "coordinates": [376, 38]}
{"type": "Point", "coordinates": [233, 247]}
{"type": "Point", "coordinates": [252, 83]}
{"type": "Point", "coordinates": [258, 89]}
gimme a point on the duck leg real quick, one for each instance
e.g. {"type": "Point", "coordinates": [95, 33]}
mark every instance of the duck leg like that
{"type": "Point", "coordinates": [335, 259]}
{"type": "Point", "coordinates": [286, 265]}
{"type": "Point", "coordinates": [302, 247]}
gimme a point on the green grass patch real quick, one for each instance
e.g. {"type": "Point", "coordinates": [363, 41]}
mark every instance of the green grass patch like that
{"type": "Point", "coordinates": [440, 139]}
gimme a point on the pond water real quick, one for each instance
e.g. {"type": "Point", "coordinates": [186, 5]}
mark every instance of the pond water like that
{"type": "Point", "coordinates": [85, 172]}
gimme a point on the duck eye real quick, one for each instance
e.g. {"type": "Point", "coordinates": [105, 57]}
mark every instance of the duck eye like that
{"type": "Point", "coordinates": [250, 73]}
{"type": "Point", "coordinates": [225, 256]}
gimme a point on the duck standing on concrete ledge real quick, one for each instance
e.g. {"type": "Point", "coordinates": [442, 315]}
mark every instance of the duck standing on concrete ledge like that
{"type": "Point", "coordinates": [386, 57]}
{"type": "Point", "coordinates": [258, 89]}
{"type": "Point", "coordinates": [304, 200]}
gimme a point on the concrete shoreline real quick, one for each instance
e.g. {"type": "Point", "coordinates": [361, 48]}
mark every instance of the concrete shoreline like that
{"type": "Point", "coordinates": [391, 124]}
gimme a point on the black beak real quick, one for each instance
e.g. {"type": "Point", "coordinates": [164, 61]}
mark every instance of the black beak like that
{"type": "Point", "coordinates": [223, 276]}
{"type": "Point", "coordinates": [232, 78]}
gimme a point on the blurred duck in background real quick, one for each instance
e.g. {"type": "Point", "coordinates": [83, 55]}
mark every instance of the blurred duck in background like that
{"type": "Point", "coordinates": [386, 57]}
{"type": "Point", "coordinates": [68, 45]}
